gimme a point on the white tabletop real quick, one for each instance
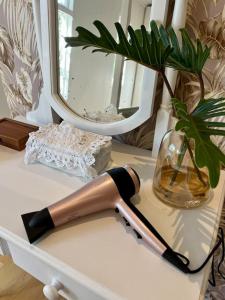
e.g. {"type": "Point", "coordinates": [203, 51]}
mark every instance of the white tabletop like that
{"type": "Point", "coordinates": [99, 246]}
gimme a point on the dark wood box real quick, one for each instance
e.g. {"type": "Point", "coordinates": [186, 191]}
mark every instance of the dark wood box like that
{"type": "Point", "coordinates": [14, 134]}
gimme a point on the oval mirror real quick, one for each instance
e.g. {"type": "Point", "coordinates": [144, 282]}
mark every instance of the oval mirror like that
{"type": "Point", "coordinates": [99, 88]}
{"type": "Point", "coordinates": [103, 94]}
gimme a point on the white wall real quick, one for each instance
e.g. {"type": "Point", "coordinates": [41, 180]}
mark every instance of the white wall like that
{"type": "Point", "coordinates": [4, 110]}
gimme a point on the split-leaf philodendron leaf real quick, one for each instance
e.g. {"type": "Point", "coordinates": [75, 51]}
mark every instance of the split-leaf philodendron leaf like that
{"type": "Point", "coordinates": [198, 126]}
{"type": "Point", "coordinates": [143, 47]}
{"type": "Point", "coordinates": [155, 49]}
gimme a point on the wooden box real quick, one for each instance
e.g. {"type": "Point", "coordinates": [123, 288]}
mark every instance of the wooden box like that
{"type": "Point", "coordinates": [14, 134]}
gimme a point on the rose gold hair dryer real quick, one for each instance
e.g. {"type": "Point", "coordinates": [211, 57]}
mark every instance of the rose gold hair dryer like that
{"type": "Point", "coordinates": [111, 190]}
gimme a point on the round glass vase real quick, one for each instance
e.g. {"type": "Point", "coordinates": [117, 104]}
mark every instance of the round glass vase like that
{"type": "Point", "coordinates": [177, 180]}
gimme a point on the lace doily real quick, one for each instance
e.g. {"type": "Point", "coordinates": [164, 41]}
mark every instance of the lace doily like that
{"type": "Point", "coordinates": [69, 149]}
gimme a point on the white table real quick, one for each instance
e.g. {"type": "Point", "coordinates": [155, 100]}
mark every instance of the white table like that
{"type": "Point", "coordinates": [97, 257]}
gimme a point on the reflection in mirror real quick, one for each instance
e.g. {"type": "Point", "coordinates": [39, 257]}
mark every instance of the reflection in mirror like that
{"type": "Point", "coordinates": [103, 89]}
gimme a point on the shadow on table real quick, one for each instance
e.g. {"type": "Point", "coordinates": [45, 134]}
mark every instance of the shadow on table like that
{"type": "Point", "coordinates": [194, 233]}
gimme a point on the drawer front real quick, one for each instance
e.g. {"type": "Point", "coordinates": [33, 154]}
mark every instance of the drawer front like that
{"type": "Point", "coordinates": [46, 273]}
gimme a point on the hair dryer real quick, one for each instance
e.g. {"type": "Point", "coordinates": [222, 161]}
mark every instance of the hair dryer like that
{"type": "Point", "coordinates": [111, 190]}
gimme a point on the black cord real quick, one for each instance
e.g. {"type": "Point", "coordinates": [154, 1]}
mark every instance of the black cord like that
{"type": "Point", "coordinates": [223, 254]}
{"type": "Point", "coordinates": [219, 243]}
{"type": "Point", "coordinates": [213, 281]}
{"type": "Point", "coordinates": [208, 258]}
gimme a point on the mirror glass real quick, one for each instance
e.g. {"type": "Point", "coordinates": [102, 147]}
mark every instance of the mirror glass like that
{"type": "Point", "coordinates": [98, 87]}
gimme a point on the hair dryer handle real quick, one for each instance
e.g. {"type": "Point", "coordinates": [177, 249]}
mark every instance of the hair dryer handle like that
{"type": "Point", "coordinates": [150, 235]}
{"type": "Point", "coordinates": [141, 226]}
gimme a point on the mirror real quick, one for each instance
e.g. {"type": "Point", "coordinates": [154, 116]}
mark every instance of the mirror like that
{"type": "Point", "coordinates": [98, 87]}
{"type": "Point", "coordinates": [89, 90]}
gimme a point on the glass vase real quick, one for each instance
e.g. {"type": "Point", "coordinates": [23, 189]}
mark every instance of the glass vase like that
{"type": "Point", "coordinates": [177, 180]}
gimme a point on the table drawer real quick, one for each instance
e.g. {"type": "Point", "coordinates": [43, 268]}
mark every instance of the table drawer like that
{"type": "Point", "coordinates": [72, 287]}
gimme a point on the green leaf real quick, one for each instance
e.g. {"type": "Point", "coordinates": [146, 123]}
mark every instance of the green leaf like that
{"type": "Point", "coordinates": [190, 56]}
{"type": "Point", "coordinates": [155, 49]}
{"type": "Point", "coordinates": [155, 30]}
{"type": "Point", "coordinates": [150, 49]}
{"type": "Point", "coordinates": [209, 108]}
{"type": "Point", "coordinates": [136, 44]}
{"type": "Point", "coordinates": [207, 154]}
{"type": "Point", "coordinates": [214, 124]}
{"type": "Point", "coordinates": [164, 36]}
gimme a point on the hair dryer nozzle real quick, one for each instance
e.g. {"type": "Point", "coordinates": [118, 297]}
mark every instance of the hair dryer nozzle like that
{"type": "Point", "coordinates": [37, 223]}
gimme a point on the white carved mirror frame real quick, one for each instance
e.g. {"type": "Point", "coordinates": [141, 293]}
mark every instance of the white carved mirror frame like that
{"type": "Point", "coordinates": [45, 20]}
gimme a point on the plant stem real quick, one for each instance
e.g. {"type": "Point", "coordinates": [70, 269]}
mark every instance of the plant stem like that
{"type": "Point", "coordinates": [202, 89]}
{"type": "Point", "coordinates": [184, 147]}
{"type": "Point", "coordinates": [169, 88]}
{"type": "Point", "coordinates": [193, 161]}
{"type": "Point", "coordinates": [183, 150]}
{"type": "Point", "coordinates": [167, 84]}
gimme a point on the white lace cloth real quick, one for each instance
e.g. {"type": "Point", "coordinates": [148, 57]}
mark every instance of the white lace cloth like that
{"type": "Point", "coordinates": [69, 149]}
